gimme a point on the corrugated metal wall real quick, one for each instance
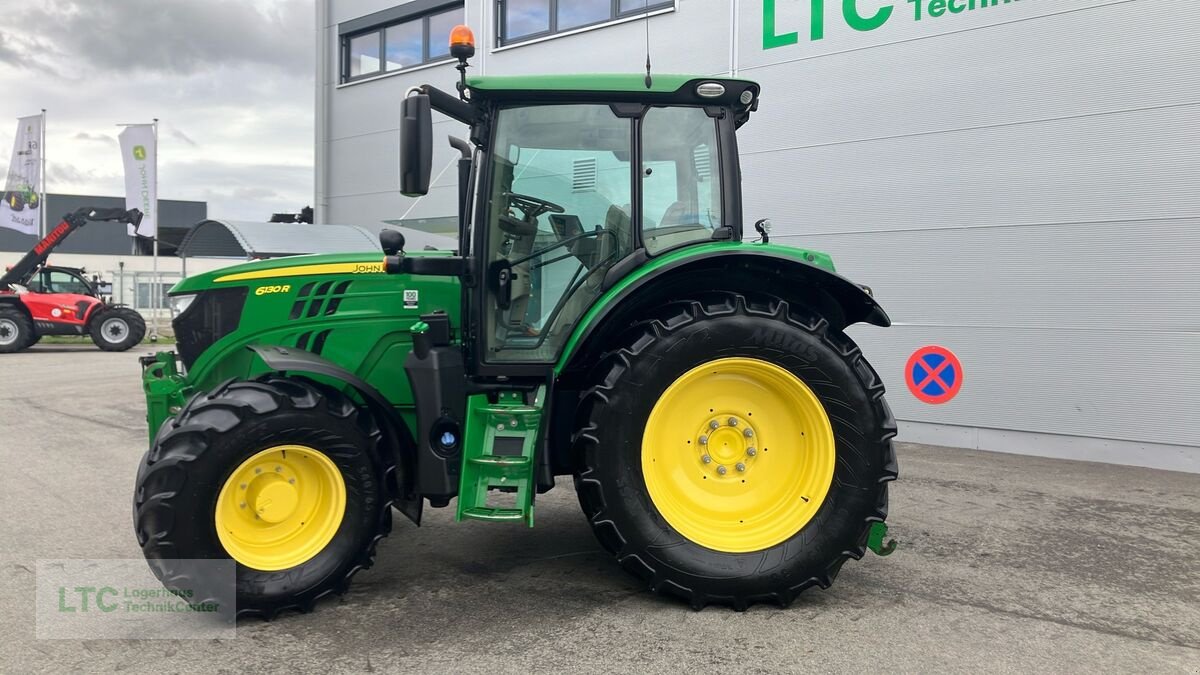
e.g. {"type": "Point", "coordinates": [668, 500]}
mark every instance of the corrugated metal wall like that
{"type": "Point", "coordinates": [1020, 183]}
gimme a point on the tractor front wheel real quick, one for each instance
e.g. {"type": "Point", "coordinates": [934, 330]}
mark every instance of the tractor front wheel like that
{"type": "Point", "coordinates": [117, 329]}
{"type": "Point", "coordinates": [280, 475]}
{"type": "Point", "coordinates": [736, 449]}
{"type": "Point", "coordinates": [16, 330]}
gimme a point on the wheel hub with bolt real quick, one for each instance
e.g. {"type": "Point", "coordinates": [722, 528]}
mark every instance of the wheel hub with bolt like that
{"type": "Point", "coordinates": [726, 444]}
{"type": "Point", "coordinates": [738, 454]}
{"type": "Point", "coordinates": [8, 331]}
{"type": "Point", "coordinates": [114, 330]}
{"type": "Point", "coordinates": [280, 507]}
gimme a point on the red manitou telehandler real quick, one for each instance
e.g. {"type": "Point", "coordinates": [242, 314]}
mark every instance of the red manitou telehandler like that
{"type": "Point", "coordinates": [38, 300]}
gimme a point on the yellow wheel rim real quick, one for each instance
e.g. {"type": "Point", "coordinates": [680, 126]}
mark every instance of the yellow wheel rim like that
{"type": "Point", "coordinates": [280, 507]}
{"type": "Point", "coordinates": [738, 455]}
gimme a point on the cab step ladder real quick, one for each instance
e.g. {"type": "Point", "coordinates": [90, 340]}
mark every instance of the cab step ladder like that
{"type": "Point", "coordinates": [498, 452]}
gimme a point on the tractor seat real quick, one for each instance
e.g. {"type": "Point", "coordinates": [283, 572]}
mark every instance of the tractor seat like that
{"type": "Point", "coordinates": [618, 223]}
{"type": "Point", "coordinates": [567, 225]}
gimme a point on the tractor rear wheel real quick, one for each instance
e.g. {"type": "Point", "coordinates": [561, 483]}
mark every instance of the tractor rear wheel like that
{"type": "Point", "coordinates": [763, 457]}
{"type": "Point", "coordinates": [117, 329]}
{"type": "Point", "coordinates": [281, 475]}
{"type": "Point", "coordinates": [15, 201]}
{"type": "Point", "coordinates": [16, 330]}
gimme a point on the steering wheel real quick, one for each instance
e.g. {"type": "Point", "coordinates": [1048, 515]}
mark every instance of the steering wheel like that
{"type": "Point", "coordinates": [532, 207]}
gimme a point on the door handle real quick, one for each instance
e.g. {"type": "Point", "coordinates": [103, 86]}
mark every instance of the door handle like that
{"type": "Point", "coordinates": [500, 282]}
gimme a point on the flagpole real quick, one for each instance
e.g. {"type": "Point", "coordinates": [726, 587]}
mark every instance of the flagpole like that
{"type": "Point", "coordinates": [157, 295]}
{"type": "Point", "coordinates": [42, 217]}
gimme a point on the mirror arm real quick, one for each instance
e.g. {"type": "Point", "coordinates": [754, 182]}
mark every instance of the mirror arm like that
{"type": "Point", "coordinates": [436, 266]}
{"type": "Point", "coordinates": [449, 105]}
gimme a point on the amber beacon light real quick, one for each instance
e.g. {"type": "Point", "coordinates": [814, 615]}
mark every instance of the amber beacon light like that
{"type": "Point", "coordinates": [462, 42]}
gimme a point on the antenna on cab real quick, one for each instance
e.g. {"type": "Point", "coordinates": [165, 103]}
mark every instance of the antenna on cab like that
{"type": "Point", "coordinates": [646, 23]}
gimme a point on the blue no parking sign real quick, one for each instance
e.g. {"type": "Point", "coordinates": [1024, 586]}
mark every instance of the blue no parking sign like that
{"type": "Point", "coordinates": [933, 374]}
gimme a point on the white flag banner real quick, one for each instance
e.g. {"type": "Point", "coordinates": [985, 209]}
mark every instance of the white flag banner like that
{"type": "Point", "coordinates": [22, 197]}
{"type": "Point", "coordinates": [139, 150]}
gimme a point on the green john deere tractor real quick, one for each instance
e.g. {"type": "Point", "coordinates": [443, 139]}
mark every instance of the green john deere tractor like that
{"type": "Point", "coordinates": [605, 318]}
{"type": "Point", "coordinates": [23, 196]}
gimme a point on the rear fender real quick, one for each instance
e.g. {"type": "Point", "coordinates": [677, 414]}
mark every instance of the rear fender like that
{"type": "Point", "coordinates": [775, 269]}
{"type": "Point", "coordinates": [396, 434]}
{"type": "Point", "coordinates": [90, 313]}
{"type": "Point", "coordinates": [13, 300]}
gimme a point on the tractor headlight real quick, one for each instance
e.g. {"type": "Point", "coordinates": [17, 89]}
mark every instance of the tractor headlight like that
{"type": "Point", "coordinates": [179, 303]}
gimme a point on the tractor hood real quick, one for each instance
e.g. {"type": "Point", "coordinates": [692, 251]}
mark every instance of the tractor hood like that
{"type": "Point", "coordinates": [316, 302]}
{"type": "Point", "coordinates": [290, 266]}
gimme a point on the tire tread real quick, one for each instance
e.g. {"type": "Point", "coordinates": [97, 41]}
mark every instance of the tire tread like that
{"type": "Point", "coordinates": [607, 374]}
{"type": "Point", "coordinates": [184, 439]}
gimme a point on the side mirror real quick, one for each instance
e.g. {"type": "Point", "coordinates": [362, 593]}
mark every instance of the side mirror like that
{"type": "Point", "coordinates": [416, 145]}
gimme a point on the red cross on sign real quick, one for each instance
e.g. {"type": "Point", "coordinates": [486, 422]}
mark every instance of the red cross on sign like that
{"type": "Point", "coordinates": [933, 374]}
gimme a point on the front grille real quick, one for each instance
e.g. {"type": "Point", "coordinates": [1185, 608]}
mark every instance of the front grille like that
{"type": "Point", "coordinates": [211, 316]}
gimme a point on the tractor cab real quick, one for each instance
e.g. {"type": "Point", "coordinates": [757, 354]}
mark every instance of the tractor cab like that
{"type": "Point", "coordinates": [73, 280]}
{"type": "Point", "coordinates": [565, 206]}
{"type": "Point", "coordinates": [570, 184]}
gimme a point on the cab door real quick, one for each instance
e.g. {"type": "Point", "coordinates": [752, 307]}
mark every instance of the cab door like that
{"type": "Point", "coordinates": [558, 215]}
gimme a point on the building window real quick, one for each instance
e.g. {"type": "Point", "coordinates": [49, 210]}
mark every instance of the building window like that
{"type": "Point", "coordinates": [410, 35]}
{"type": "Point", "coordinates": [520, 20]}
{"type": "Point", "coordinates": [364, 55]}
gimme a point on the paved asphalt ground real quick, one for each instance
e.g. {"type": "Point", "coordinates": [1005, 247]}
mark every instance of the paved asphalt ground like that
{"type": "Point", "coordinates": [1006, 564]}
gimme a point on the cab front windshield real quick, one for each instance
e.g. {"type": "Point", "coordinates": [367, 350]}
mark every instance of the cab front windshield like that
{"type": "Point", "coordinates": [561, 209]}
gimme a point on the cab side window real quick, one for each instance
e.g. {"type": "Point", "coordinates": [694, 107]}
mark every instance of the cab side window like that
{"type": "Point", "coordinates": [681, 191]}
{"type": "Point", "coordinates": [61, 282]}
{"type": "Point", "coordinates": [39, 282]}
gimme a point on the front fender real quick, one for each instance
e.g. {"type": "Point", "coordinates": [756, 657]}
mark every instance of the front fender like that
{"type": "Point", "coordinates": [397, 436]}
{"type": "Point", "coordinates": [812, 269]}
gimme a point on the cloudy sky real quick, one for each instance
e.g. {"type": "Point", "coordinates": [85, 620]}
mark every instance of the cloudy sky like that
{"type": "Point", "coordinates": [231, 82]}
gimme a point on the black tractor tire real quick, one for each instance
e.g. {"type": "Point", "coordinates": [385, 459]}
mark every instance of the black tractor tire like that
{"type": "Point", "coordinates": [628, 381]}
{"type": "Point", "coordinates": [33, 340]}
{"type": "Point", "coordinates": [194, 454]}
{"type": "Point", "coordinates": [117, 329]}
{"type": "Point", "coordinates": [15, 201]}
{"type": "Point", "coordinates": [16, 330]}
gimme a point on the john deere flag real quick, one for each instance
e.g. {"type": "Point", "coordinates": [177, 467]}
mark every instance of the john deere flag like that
{"type": "Point", "coordinates": [138, 150]}
{"type": "Point", "coordinates": [21, 189]}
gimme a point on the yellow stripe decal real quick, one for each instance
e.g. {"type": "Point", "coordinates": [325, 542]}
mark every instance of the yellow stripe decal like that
{"type": "Point", "coordinates": [307, 270]}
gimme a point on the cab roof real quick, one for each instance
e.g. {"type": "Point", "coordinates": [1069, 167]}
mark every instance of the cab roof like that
{"type": "Point", "coordinates": [626, 82]}
{"type": "Point", "coordinates": [615, 87]}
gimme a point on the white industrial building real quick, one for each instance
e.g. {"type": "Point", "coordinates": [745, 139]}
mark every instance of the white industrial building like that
{"type": "Point", "coordinates": [1018, 180]}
